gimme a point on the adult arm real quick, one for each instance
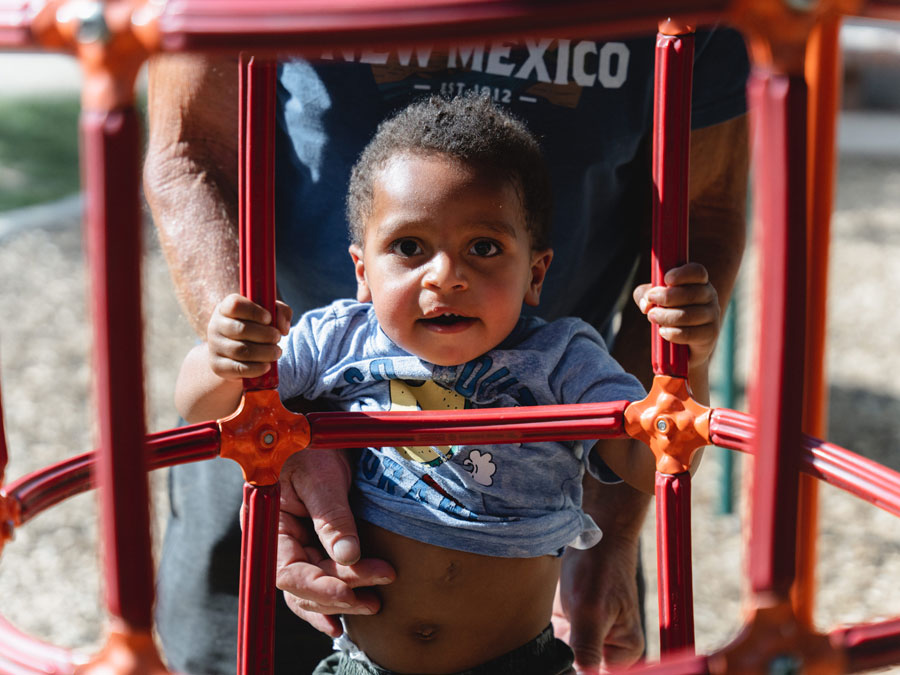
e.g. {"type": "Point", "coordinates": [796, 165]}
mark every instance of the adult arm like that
{"type": "Point", "coordinates": [190, 182]}
{"type": "Point", "coordinates": [598, 592]}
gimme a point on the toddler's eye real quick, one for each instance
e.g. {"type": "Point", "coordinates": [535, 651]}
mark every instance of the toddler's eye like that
{"type": "Point", "coordinates": [406, 247]}
{"type": "Point", "coordinates": [484, 248]}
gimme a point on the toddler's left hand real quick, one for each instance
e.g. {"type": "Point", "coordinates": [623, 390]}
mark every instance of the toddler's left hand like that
{"type": "Point", "coordinates": [686, 310]}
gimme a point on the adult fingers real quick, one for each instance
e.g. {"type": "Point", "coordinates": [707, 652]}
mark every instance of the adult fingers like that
{"type": "Point", "coordinates": [321, 585]}
{"type": "Point", "coordinates": [321, 480]}
{"type": "Point", "coordinates": [324, 623]}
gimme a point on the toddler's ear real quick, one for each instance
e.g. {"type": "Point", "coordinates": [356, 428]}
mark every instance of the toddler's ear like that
{"type": "Point", "coordinates": [363, 294]}
{"type": "Point", "coordinates": [540, 262]}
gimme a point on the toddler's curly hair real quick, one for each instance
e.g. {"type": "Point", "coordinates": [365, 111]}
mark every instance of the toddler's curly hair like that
{"type": "Point", "coordinates": [470, 128]}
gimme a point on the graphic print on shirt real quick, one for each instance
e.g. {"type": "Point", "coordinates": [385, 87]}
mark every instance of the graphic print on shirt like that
{"type": "Point", "coordinates": [428, 395]}
{"type": "Point", "coordinates": [409, 395]}
{"type": "Point", "coordinates": [541, 69]}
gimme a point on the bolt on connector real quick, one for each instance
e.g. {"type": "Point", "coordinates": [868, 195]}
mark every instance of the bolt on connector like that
{"type": "Point", "coordinates": [785, 664]}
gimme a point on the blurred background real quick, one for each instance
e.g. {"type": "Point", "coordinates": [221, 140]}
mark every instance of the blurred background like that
{"type": "Point", "coordinates": [50, 585]}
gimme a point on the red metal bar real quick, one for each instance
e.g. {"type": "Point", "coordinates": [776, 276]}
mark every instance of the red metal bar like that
{"type": "Point", "coordinates": [673, 553]}
{"type": "Point", "coordinates": [675, 663]}
{"type": "Point", "coordinates": [869, 646]}
{"type": "Point", "coordinates": [15, 22]}
{"type": "Point", "coordinates": [495, 425]}
{"type": "Point", "coordinates": [4, 451]}
{"type": "Point", "coordinates": [43, 489]}
{"type": "Point", "coordinates": [21, 653]}
{"type": "Point", "coordinates": [256, 608]}
{"type": "Point", "coordinates": [273, 25]}
{"type": "Point", "coordinates": [256, 191]}
{"type": "Point", "coordinates": [837, 466]}
{"type": "Point", "coordinates": [111, 144]}
{"type": "Point", "coordinates": [38, 491]}
{"type": "Point", "coordinates": [823, 72]}
{"type": "Point", "coordinates": [671, 153]}
{"type": "Point", "coordinates": [778, 103]}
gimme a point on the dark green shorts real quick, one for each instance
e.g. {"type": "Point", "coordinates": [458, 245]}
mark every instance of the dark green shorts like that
{"type": "Point", "coordinates": [545, 655]}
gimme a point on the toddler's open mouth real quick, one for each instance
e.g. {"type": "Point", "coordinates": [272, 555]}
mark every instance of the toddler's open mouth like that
{"type": "Point", "coordinates": [448, 321]}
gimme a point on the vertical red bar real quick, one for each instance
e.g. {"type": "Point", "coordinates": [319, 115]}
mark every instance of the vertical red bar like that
{"type": "Point", "coordinates": [823, 76]}
{"type": "Point", "coordinates": [4, 452]}
{"type": "Point", "coordinates": [256, 185]}
{"type": "Point", "coordinates": [256, 629]}
{"type": "Point", "coordinates": [778, 103]}
{"type": "Point", "coordinates": [673, 555]}
{"type": "Point", "coordinates": [671, 154]}
{"type": "Point", "coordinates": [110, 175]}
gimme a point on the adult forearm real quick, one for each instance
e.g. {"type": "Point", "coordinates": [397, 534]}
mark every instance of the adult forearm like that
{"type": "Point", "coordinates": [190, 177]}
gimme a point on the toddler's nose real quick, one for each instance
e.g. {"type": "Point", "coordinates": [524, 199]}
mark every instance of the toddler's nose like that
{"type": "Point", "coordinates": [444, 273]}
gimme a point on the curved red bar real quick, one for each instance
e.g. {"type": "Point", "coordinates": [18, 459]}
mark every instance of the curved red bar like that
{"type": "Point", "coordinates": [42, 489]}
{"type": "Point", "coordinates": [21, 653]}
{"type": "Point", "coordinates": [869, 646]}
{"type": "Point", "coordinates": [837, 466]}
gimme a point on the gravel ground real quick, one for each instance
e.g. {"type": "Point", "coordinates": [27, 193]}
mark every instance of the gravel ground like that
{"type": "Point", "coordinates": [49, 579]}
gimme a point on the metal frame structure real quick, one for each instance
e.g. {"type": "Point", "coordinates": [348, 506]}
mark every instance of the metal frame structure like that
{"type": "Point", "coordinates": [792, 92]}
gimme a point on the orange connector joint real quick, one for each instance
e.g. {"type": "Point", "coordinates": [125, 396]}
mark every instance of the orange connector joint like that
{"type": "Point", "coordinates": [261, 434]}
{"type": "Point", "coordinates": [671, 422]}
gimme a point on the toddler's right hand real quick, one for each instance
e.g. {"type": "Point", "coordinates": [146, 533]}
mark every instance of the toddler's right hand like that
{"type": "Point", "coordinates": [240, 340]}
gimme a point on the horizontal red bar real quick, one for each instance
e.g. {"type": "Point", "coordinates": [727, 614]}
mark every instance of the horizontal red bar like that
{"type": "Point", "coordinates": [489, 425]}
{"type": "Point", "coordinates": [279, 25]}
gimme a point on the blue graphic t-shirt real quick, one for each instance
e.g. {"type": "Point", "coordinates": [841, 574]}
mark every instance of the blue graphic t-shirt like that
{"type": "Point", "coordinates": [508, 500]}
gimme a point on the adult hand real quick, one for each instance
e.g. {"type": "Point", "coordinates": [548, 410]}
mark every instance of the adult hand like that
{"type": "Point", "coordinates": [596, 607]}
{"type": "Point", "coordinates": [318, 565]}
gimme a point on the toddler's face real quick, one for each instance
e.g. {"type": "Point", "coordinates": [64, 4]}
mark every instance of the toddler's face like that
{"type": "Point", "coordinates": [447, 259]}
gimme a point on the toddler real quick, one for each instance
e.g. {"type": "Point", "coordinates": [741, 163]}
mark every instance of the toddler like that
{"type": "Point", "coordinates": [449, 211]}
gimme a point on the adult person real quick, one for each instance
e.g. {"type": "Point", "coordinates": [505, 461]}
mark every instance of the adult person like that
{"type": "Point", "coordinates": [591, 105]}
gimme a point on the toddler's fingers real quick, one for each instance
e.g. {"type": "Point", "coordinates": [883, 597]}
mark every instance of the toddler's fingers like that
{"type": "Point", "coordinates": [246, 352]}
{"type": "Point", "coordinates": [690, 315]}
{"type": "Point", "coordinates": [247, 331]}
{"type": "Point", "coordinates": [229, 369]}
{"type": "Point", "coordinates": [236, 306]}
{"type": "Point", "coordinates": [284, 314]}
{"type": "Point", "coordinates": [689, 273]}
{"type": "Point", "coordinates": [699, 338]}
{"type": "Point", "coordinates": [682, 296]}
{"type": "Point", "coordinates": [640, 297]}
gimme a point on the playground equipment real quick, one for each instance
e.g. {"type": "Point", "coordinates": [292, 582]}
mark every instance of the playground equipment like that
{"type": "Point", "coordinates": [793, 48]}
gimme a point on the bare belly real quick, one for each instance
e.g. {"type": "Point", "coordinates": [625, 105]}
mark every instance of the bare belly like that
{"type": "Point", "coordinates": [450, 610]}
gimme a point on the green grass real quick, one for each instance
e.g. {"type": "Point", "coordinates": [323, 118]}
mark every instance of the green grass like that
{"type": "Point", "coordinates": [38, 150]}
